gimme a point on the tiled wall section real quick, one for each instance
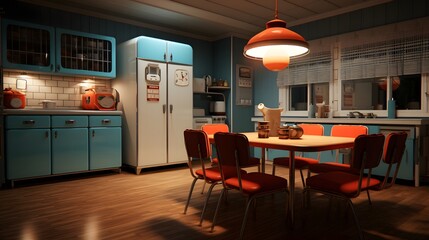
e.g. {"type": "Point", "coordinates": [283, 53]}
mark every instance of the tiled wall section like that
{"type": "Point", "coordinates": [64, 90]}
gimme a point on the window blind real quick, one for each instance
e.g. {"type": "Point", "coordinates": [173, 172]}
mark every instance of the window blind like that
{"type": "Point", "coordinates": [401, 56]}
{"type": "Point", "coordinates": [312, 68]}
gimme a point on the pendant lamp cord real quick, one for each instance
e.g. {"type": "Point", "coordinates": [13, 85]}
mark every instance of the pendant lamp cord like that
{"type": "Point", "coordinates": [276, 15]}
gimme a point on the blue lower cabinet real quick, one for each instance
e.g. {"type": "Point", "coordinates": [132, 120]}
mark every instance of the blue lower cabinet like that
{"type": "Point", "coordinates": [28, 153]}
{"type": "Point", "coordinates": [105, 147]}
{"type": "Point", "coordinates": [105, 142]}
{"type": "Point", "coordinates": [69, 150]}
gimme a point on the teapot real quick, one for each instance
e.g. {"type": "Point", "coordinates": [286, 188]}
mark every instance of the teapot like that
{"type": "Point", "coordinates": [295, 132]}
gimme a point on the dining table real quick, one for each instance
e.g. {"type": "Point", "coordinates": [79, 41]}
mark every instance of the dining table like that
{"type": "Point", "coordinates": [306, 143]}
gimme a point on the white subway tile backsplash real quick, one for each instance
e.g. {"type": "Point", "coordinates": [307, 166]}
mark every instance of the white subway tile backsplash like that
{"type": "Point", "coordinates": [57, 90]}
{"type": "Point", "coordinates": [51, 83]}
{"type": "Point", "coordinates": [63, 84]}
{"type": "Point", "coordinates": [37, 95]}
{"type": "Point", "coordinates": [63, 96]}
{"type": "Point", "coordinates": [45, 89]}
{"type": "Point", "coordinates": [69, 90]}
{"type": "Point", "coordinates": [51, 96]}
{"type": "Point", "coordinates": [64, 90]}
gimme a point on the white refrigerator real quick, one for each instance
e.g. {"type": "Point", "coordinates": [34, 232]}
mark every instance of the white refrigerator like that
{"type": "Point", "coordinates": [156, 99]}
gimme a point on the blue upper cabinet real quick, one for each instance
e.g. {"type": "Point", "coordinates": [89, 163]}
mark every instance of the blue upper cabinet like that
{"type": "Point", "coordinates": [179, 53]}
{"type": "Point", "coordinates": [28, 46]}
{"type": "Point", "coordinates": [85, 54]}
{"type": "Point", "coordinates": [164, 51]}
{"type": "Point", "coordinates": [32, 47]}
{"type": "Point", "coordinates": [151, 49]}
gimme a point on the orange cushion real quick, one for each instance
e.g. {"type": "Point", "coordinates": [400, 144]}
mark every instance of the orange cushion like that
{"type": "Point", "coordinates": [300, 162]}
{"type": "Point", "coordinates": [255, 182]}
{"type": "Point", "coordinates": [330, 167]}
{"type": "Point", "coordinates": [213, 173]}
{"type": "Point", "coordinates": [340, 183]}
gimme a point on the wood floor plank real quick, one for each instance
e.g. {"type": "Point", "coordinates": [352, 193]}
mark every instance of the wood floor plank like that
{"type": "Point", "coordinates": [109, 205]}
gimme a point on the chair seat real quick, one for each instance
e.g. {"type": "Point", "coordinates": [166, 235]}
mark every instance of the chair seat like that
{"type": "Point", "coordinates": [342, 183]}
{"type": "Point", "coordinates": [213, 173]}
{"type": "Point", "coordinates": [253, 161]}
{"type": "Point", "coordinates": [300, 162]}
{"type": "Point", "coordinates": [255, 182]}
{"type": "Point", "coordinates": [330, 167]}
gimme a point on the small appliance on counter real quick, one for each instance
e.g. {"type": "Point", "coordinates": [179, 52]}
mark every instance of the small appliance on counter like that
{"type": "Point", "coordinates": [99, 99]}
{"type": "Point", "coordinates": [13, 99]}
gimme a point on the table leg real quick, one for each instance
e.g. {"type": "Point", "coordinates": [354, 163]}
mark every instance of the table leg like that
{"type": "Point", "coordinates": [291, 185]}
{"type": "Point", "coordinates": [263, 160]}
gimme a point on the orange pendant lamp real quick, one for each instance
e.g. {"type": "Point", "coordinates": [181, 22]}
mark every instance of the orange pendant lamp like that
{"type": "Point", "coordinates": [276, 45]}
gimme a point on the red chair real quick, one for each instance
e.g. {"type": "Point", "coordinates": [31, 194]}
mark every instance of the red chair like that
{"type": "Point", "coordinates": [394, 149]}
{"type": "Point", "coordinates": [301, 162]}
{"type": "Point", "coordinates": [351, 131]}
{"type": "Point", "coordinates": [211, 129]}
{"type": "Point", "coordinates": [233, 152]}
{"type": "Point", "coordinates": [197, 148]}
{"type": "Point", "coordinates": [366, 154]}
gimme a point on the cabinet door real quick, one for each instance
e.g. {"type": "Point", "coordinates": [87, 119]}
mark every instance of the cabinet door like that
{"type": "Point", "coordinates": [28, 153]}
{"type": "Point", "coordinates": [179, 53]}
{"type": "Point", "coordinates": [27, 46]}
{"type": "Point", "coordinates": [151, 49]}
{"type": "Point", "coordinates": [85, 54]}
{"type": "Point", "coordinates": [69, 150]}
{"type": "Point", "coordinates": [105, 147]}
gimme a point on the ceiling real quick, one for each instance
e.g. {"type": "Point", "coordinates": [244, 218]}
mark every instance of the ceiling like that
{"type": "Point", "coordinates": [209, 19]}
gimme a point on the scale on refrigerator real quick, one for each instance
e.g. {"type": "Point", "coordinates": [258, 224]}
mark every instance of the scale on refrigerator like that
{"type": "Point", "coordinates": [153, 77]}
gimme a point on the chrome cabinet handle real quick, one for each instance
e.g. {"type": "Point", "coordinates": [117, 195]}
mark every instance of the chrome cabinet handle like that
{"type": "Point", "coordinates": [29, 122]}
{"type": "Point", "coordinates": [71, 121]}
{"type": "Point", "coordinates": [106, 121]}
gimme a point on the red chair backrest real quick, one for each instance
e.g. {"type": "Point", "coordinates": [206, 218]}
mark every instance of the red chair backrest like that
{"type": "Point", "coordinates": [348, 130]}
{"type": "Point", "coordinates": [312, 129]}
{"type": "Point", "coordinates": [394, 147]}
{"type": "Point", "coordinates": [367, 151]}
{"type": "Point", "coordinates": [233, 152]}
{"type": "Point", "coordinates": [197, 145]}
{"type": "Point", "coordinates": [214, 128]}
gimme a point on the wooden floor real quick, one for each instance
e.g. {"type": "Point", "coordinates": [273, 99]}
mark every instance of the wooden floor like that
{"type": "Point", "coordinates": [109, 205]}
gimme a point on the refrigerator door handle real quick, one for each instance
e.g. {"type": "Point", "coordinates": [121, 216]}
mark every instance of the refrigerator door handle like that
{"type": "Point", "coordinates": [164, 106]}
{"type": "Point", "coordinates": [171, 108]}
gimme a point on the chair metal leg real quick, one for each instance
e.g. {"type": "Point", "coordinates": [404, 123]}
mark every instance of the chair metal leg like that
{"type": "Point", "coordinates": [360, 233]}
{"type": "Point", "coordinates": [206, 202]}
{"type": "Point", "coordinates": [243, 225]}
{"type": "Point", "coordinates": [302, 177]}
{"type": "Point", "coordinates": [204, 186]}
{"type": "Point", "coordinates": [190, 194]}
{"type": "Point", "coordinates": [217, 209]}
{"type": "Point", "coordinates": [369, 198]}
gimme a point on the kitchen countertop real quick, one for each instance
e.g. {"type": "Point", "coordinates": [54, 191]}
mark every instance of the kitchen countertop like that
{"type": "Point", "coordinates": [58, 111]}
{"type": "Point", "coordinates": [378, 121]}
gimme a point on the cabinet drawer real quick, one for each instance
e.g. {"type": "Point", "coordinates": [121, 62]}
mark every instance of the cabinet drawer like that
{"type": "Point", "coordinates": [69, 121]}
{"type": "Point", "coordinates": [105, 121]}
{"type": "Point", "coordinates": [27, 122]}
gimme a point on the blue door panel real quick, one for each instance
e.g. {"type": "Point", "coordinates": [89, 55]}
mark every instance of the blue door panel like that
{"type": "Point", "coordinates": [179, 53]}
{"type": "Point", "coordinates": [28, 153]}
{"type": "Point", "coordinates": [105, 147]}
{"type": "Point", "coordinates": [151, 49]}
{"type": "Point", "coordinates": [69, 150]}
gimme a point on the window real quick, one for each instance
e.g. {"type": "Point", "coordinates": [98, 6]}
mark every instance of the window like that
{"type": "Point", "coordinates": [298, 98]}
{"type": "Point", "coordinates": [372, 94]}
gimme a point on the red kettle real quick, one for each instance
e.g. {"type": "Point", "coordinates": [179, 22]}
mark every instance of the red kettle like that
{"type": "Point", "coordinates": [13, 99]}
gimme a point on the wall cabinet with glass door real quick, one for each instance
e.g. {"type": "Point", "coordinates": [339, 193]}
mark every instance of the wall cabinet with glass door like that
{"type": "Point", "coordinates": [32, 47]}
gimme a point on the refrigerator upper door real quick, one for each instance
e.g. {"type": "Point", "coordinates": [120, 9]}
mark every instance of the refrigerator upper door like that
{"type": "Point", "coordinates": [152, 113]}
{"type": "Point", "coordinates": [180, 104]}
